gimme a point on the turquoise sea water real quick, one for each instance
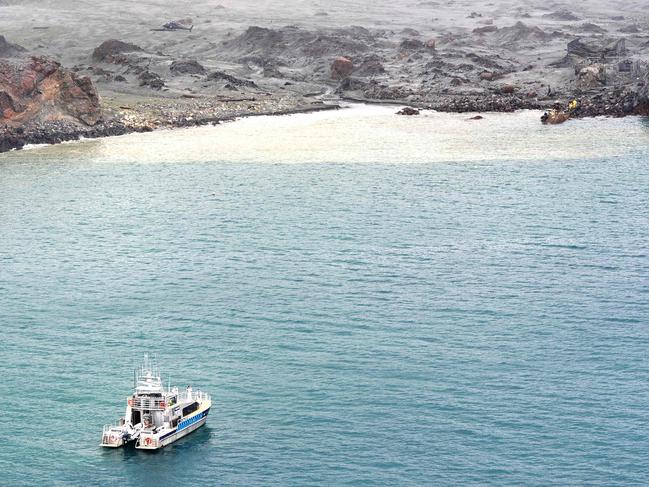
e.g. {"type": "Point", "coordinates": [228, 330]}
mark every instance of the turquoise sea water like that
{"type": "Point", "coordinates": [453, 321]}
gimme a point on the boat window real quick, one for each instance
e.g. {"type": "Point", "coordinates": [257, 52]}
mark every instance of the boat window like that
{"type": "Point", "coordinates": [190, 409]}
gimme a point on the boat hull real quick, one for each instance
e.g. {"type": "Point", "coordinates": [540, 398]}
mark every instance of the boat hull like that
{"type": "Point", "coordinates": [166, 438]}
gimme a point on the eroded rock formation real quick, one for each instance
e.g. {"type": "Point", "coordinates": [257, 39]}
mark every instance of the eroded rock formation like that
{"type": "Point", "coordinates": [40, 90]}
{"type": "Point", "coordinates": [187, 66]}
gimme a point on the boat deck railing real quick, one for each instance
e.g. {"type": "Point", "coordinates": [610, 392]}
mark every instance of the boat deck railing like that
{"type": "Point", "coordinates": [149, 403]}
{"type": "Point", "coordinates": [111, 427]}
{"type": "Point", "coordinates": [160, 403]}
{"type": "Point", "coordinates": [197, 395]}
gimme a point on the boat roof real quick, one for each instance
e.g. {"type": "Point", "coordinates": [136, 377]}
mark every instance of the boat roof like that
{"type": "Point", "coordinates": [147, 378]}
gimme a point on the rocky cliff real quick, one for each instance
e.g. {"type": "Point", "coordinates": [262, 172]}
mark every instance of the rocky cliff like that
{"type": "Point", "coordinates": [38, 90]}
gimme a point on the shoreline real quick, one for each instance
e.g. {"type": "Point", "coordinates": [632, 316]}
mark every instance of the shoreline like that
{"type": "Point", "coordinates": [58, 132]}
{"type": "Point", "coordinates": [147, 115]}
{"type": "Point", "coordinates": [359, 133]}
{"type": "Point", "coordinates": [110, 72]}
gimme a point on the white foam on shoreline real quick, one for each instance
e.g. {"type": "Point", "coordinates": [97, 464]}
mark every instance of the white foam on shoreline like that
{"type": "Point", "coordinates": [362, 134]}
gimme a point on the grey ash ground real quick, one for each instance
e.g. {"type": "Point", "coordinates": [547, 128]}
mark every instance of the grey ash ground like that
{"type": "Point", "coordinates": [245, 57]}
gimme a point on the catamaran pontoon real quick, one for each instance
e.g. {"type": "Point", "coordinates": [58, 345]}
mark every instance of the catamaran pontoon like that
{"type": "Point", "coordinates": [156, 417]}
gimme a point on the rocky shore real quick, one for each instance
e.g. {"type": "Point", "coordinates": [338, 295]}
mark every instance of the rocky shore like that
{"type": "Point", "coordinates": [148, 116]}
{"type": "Point", "coordinates": [215, 66]}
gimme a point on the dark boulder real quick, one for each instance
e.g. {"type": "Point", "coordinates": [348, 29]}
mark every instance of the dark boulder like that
{"type": "Point", "coordinates": [189, 66]}
{"type": "Point", "coordinates": [488, 62]}
{"type": "Point", "coordinates": [151, 79]}
{"type": "Point", "coordinates": [271, 70]}
{"type": "Point", "coordinates": [408, 111]}
{"type": "Point", "coordinates": [411, 45]}
{"type": "Point", "coordinates": [370, 66]}
{"type": "Point", "coordinates": [507, 89]}
{"type": "Point", "coordinates": [112, 51]}
{"type": "Point", "coordinates": [257, 39]}
{"type": "Point", "coordinates": [581, 49]}
{"type": "Point", "coordinates": [351, 84]}
{"type": "Point", "coordinates": [231, 80]}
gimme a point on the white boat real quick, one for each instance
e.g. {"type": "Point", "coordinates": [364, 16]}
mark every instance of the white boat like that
{"type": "Point", "coordinates": [156, 417]}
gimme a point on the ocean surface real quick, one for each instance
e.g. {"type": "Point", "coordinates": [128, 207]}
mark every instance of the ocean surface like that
{"type": "Point", "coordinates": [372, 300]}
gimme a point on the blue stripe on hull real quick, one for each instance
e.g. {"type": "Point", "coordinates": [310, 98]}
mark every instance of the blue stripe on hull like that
{"type": "Point", "coordinates": [186, 423]}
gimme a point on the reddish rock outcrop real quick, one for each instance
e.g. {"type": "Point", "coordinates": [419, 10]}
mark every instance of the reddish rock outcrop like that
{"type": "Point", "coordinates": [341, 68]}
{"type": "Point", "coordinates": [40, 90]}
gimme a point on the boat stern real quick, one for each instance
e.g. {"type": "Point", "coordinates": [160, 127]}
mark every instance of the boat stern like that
{"type": "Point", "coordinates": [149, 441]}
{"type": "Point", "coordinates": [112, 437]}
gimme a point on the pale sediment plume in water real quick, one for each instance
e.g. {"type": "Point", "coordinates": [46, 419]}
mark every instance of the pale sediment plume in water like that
{"type": "Point", "coordinates": [364, 134]}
